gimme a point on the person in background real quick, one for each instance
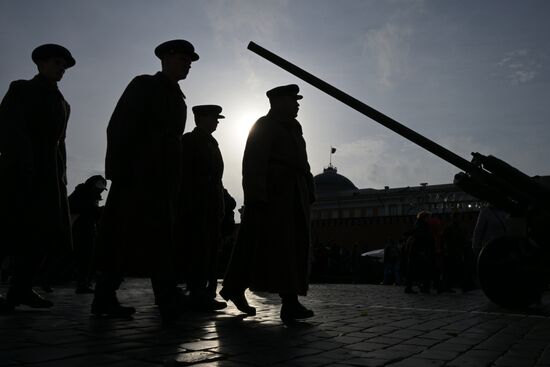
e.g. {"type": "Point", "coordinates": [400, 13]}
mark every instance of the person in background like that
{"type": "Point", "coordinates": [392, 262]}
{"type": "Point", "coordinates": [85, 216]}
{"type": "Point", "coordinates": [421, 247]}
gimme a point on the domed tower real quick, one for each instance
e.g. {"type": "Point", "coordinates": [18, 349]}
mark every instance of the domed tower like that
{"type": "Point", "coordinates": [330, 182]}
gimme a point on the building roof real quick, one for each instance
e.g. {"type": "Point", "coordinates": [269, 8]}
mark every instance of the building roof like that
{"type": "Point", "coordinates": [330, 182]}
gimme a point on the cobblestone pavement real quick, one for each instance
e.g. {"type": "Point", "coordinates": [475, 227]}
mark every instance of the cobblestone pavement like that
{"type": "Point", "coordinates": [355, 325]}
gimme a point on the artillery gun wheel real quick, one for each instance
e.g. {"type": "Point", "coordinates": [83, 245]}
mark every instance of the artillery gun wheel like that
{"type": "Point", "coordinates": [509, 274]}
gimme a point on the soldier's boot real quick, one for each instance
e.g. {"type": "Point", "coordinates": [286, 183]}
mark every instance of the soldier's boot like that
{"type": "Point", "coordinates": [292, 309]}
{"type": "Point", "coordinates": [105, 301]}
{"type": "Point", "coordinates": [108, 305]}
{"type": "Point", "coordinates": [26, 296]}
{"type": "Point", "coordinates": [239, 300]}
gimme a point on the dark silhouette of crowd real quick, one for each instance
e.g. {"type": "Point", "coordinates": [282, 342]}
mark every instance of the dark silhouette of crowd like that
{"type": "Point", "coordinates": [167, 214]}
{"type": "Point", "coordinates": [438, 256]}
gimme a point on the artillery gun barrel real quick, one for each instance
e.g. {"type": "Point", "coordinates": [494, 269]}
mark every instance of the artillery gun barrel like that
{"type": "Point", "coordinates": [366, 110]}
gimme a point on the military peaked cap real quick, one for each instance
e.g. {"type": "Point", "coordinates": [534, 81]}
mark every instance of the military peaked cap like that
{"type": "Point", "coordinates": [208, 109]}
{"type": "Point", "coordinates": [49, 50]}
{"type": "Point", "coordinates": [290, 90]}
{"type": "Point", "coordinates": [176, 46]}
{"type": "Point", "coordinates": [97, 181]}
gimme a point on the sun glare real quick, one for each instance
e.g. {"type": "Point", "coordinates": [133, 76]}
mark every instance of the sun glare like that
{"type": "Point", "coordinates": [243, 121]}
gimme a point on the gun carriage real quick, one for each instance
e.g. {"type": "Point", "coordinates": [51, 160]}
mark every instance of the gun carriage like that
{"type": "Point", "coordinates": [513, 270]}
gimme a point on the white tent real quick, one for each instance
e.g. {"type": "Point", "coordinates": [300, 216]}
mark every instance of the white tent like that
{"type": "Point", "coordinates": [375, 253]}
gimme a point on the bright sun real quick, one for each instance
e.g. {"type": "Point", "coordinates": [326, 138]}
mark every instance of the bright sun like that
{"type": "Point", "coordinates": [243, 121]}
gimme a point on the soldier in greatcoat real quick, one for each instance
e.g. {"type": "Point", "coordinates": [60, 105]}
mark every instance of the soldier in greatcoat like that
{"type": "Point", "coordinates": [202, 206]}
{"type": "Point", "coordinates": [272, 252]}
{"type": "Point", "coordinates": [143, 161]}
{"type": "Point", "coordinates": [34, 220]}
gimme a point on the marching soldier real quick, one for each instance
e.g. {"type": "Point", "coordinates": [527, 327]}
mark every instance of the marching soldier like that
{"type": "Point", "coordinates": [34, 219]}
{"type": "Point", "coordinates": [143, 161]}
{"type": "Point", "coordinates": [273, 248]}
{"type": "Point", "coordinates": [203, 206]}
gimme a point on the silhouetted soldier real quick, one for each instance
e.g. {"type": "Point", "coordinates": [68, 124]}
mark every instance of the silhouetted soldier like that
{"type": "Point", "coordinates": [85, 215]}
{"type": "Point", "coordinates": [202, 206]}
{"type": "Point", "coordinates": [34, 218]}
{"type": "Point", "coordinates": [272, 251]}
{"type": "Point", "coordinates": [143, 161]}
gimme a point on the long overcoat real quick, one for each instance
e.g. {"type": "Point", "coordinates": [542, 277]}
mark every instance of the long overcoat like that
{"type": "Point", "coordinates": [34, 214]}
{"type": "Point", "coordinates": [272, 252]}
{"type": "Point", "coordinates": [202, 204]}
{"type": "Point", "coordinates": [143, 161]}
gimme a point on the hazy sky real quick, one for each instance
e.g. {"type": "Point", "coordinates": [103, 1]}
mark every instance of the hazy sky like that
{"type": "Point", "coordinates": [471, 75]}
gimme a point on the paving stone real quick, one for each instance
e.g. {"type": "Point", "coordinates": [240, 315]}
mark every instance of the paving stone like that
{"type": "Point", "coordinates": [364, 362]}
{"type": "Point", "coordinates": [366, 346]}
{"type": "Point", "coordinates": [45, 354]}
{"type": "Point", "coordinates": [184, 359]}
{"type": "Point", "coordinates": [452, 347]}
{"type": "Point", "coordinates": [507, 361]}
{"type": "Point", "coordinates": [310, 361]}
{"type": "Point", "coordinates": [417, 362]}
{"type": "Point", "coordinates": [133, 363]}
{"type": "Point", "coordinates": [325, 345]}
{"type": "Point", "coordinates": [391, 354]}
{"type": "Point", "coordinates": [200, 345]}
{"type": "Point", "coordinates": [442, 355]}
{"type": "Point", "coordinates": [353, 338]}
{"type": "Point", "coordinates": [475, 358]}
{"type": "Point", "coordinates": [422, 342]}
{"type": "Point", "coordinates": [405, 334]}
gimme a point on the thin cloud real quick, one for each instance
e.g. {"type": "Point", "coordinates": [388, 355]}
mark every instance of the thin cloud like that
{"type": "Point", "coordinates": [520, 66]}
{"type": "Point", "coordinates": [233, 23]}
{"type": "Point", "coordinates": [230, 20]}
{"type": "Point", "coordinates": [379, 161]}
{"type": "Point", "coordinates": [389, 46]}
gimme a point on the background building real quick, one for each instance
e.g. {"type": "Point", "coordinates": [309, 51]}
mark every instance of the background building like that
{"type": "Point", "coordinates": [348, 221]}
